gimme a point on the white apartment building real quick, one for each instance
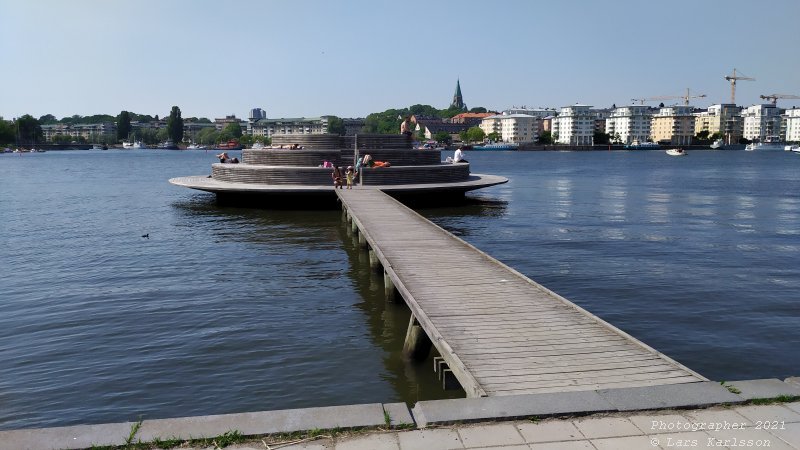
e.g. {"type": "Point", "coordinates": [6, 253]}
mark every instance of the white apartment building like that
{"type": "Point", "coordinates": [574, 125]}
{"type": "Point", "coordinates": [519, 128]}
{"type": "Point", "coordinates": [792, 120]}
{"type": "Point", "coordinates": [303, 125]}
{"type": "Point", "coordinates": [761, 122]}
{"type": "Point", "coordinates": [630, 123]}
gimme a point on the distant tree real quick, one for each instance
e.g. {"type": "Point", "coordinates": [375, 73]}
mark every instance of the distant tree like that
{"type": "Point", "coordinates": [702, 136]}
{"type": "Point", "coordinates": [233, 129]}
{"type": "Point", "coordinates": [443, 137]}
{"type": "Point", "coordinates": [123, 125]}
{"type": "Point", "coordinates": [474, 134]}
{"type": "Point", "coordinates": [545, 138]}
{"type": "Point", "coordinates": [715, 135]}
{"type": "Point", "coordinates": [661, 105]}
{"type": "Point", "coordinates": [494, 136]}
{"type": "Point", "coordinates": [29, 130]}
{"type": "Point", "coordinates": [336, 125]}
{"type": "Point", "coordinates": [7, 134]}
{"type": "Point", "coordinates": [601, 138]}
{"type": "Point", "coordinates": [616, 139]}
{"type": "Point", "coordinates": [207, 136]}
{"type": "Point", "coordinates": [175, 125]}
{"type": "Point", "coordinates": [479, 109]}
{"type": "Point", "coordinates": [47, 119]}
{"type": "Point", "coordinates": [555, 138]}
{"type": "Point", "coordinates": [162, 135]}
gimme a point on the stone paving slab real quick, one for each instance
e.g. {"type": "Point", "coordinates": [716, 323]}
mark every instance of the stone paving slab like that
{"type": "Point", "coordinates": [80, 436]}
{"type": "Point", "coordinates": [793, 381]}
{"type": "Point", "coordinates": [399, 414]}
{"type": "Point", "coordinates": [508, 407]}
{"type": "Point", "coordinates": [265, 422]}
{"type": "Point", "coordinates": [549, 431]}
{"type": "Point", "coordinates": [765, 388]}
{"type": "Point", "coordinates": [688, 395]}
{"type": "Point", "coordinates": [430, 439]}
{"type": "Point", "coordinates": [491, 435]}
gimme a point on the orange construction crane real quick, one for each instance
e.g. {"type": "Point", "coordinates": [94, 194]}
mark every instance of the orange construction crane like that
{"type": "Point", "coordinates": [732, 79]}
{"type": "Point", "coordinates": [685, 98]}
{"type": "Point", "coordinates": [774, 97]}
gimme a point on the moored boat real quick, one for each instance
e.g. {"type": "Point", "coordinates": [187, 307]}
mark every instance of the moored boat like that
{"type": "Point", "coordinates": [233, 144]}
{"type": "Point", "coordinates": [676, 152]}
{"type": "Point", "coordinates": [636, 145]}
{"type": "Point", "coordinates": [497, 146]}
{"type": "Point", "coordinates": [716, 145]}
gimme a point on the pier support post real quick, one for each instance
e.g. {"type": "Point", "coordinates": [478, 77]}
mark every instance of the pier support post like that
{"type": "Point", "coordinates": [374, 262]}
{"type": "Point", "coordinates": [417, 345]}
{"type": "Point", "coordinates": [362, 240]}
{"type": "Point", "coordinates": [389, 289]}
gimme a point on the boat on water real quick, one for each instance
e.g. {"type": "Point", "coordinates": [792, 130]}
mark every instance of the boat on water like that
{"type": "Point", "coordinates": [139, 145]}
{"type": "Point", "coordinates": [636, 145]}
{"type": "Point", "coordinates": [716, 145]}
{"type": "Point", "coordinates": [497, 146]}
{"type": "Point", "coordinates": [168, 145]}
{"type": "Point", "coordinates": [792, 148]}
{"type": "Point", "coordinates": [676, 152]}
{"type": "Point", "coordinates": [233, 144]}
{"type": "Point", "coordinates": [126, 144]}
{"type": "Point", "coordinates": [771, 143]}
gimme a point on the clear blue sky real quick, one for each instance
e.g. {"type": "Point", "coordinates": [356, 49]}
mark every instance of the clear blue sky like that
{"type": "Point", "coordinates": [351, 58]}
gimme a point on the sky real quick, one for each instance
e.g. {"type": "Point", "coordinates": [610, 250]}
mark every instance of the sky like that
{"type": "Point", "coordinates": [306, 58]}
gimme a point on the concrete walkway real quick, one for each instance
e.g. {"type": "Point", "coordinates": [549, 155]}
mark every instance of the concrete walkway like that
{"type": "Point", "coordinates": [774, 426]}
{"type": "Point", "coordinates": [708, 414]}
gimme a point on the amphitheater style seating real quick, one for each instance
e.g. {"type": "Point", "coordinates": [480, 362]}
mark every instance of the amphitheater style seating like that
{"type": "Point", "coordinates": [303, 166]}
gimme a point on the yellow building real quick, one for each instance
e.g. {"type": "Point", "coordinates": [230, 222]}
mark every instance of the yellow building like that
{"type": "Point", "coordinates": [673, 125]}
{"type": "Point", "coordinates": [725, 119]}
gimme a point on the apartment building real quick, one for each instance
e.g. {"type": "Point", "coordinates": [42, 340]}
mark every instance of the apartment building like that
{"type": "Point", "coordinates": [673, 125]}
{"type": "Point", "coordinates": [761, 122]}
{"type": "Point", "coordinates": [91, 132]}
{"type": "Point", "coordinates": [574, 125]}
{"type": "Point", "coordinates": [516, 128]}
{"type": "Point", "coordinates": [629, 123]}
{"type": "Point", "coordinates": [791, 120]}
{"type": "Point", "coordinates": [725, 119]}
{"type": "Point", "coordinates": [289, 126]}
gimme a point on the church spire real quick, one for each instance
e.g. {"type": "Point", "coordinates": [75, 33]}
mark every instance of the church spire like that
{"type": "Point", "coordinates": [458, 100]}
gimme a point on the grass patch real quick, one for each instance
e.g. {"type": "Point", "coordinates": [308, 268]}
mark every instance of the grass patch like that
{"type": "Point", "coordinates": [387, 418]}
{"type": "Point", "coordinates": [773, 400]}
{"type": "Point", "coordinates": [134, 429]}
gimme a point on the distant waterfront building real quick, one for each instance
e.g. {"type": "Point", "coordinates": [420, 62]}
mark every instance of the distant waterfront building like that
{"type": "Point", "coordinates": [257, 113]}
{"type": "Point", "coordinates": [353, 126]}
{"type": "Point", "coordinates": [290, 126]}
{"type": "Point", "coordinates": [792, 125]}
{"type": "Point", "coordinates": [470, 119]}
{"type": "Point", "coordinates": [537, 112]}
{"type": "Point", "coordinates": [600, 116]}
{"type": "Point", "coordinates": [458, 99]}
{"type": "Point", "coordinates": [515, 128]}
{"type": "Point", "coordinates": [629, 123]}
{"type": "Point", "coordinates": [574, 125]}
{"type": "Point", "coordinates": [725, 119]}
{"type": "Point", "coordinates": [220, 124]}
{"type": "Point", "coordinates": [761, 122]}
{"type": "Point", "coordinates": [431, 127]}
{"type": "Point", "coordinates": [90, 132]}
{"type": "Point", "coordinates": [673, 125]}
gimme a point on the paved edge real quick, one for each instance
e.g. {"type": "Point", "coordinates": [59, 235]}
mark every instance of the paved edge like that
{"type": "Point", "coordinates": [424, 414]}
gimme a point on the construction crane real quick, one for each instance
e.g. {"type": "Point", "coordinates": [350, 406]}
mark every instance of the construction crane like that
{"type": "Point", "coordinates": [685, 98]}
{"type": "Point", "coordinates": [732, 79]}
{"type": "Point", "coordinates": [774, 97]}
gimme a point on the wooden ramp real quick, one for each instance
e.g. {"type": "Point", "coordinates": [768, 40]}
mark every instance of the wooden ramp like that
{"type": "Point", "coordinates": [498, 331]}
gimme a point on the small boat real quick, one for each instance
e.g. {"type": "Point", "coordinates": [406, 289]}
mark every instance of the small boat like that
{"type": "Point", "coordinates": [676, 152]}
{"type": "Point", "coordinates": [793, 148]}
{"type": "Point", "coordinates": [636, 145]}
{"type": "Point", "coordinates": [771, 143]}
{"type": "Point", "coordinates": [497, 146]}
{"type": "Point", "coordinates": [233, 144]}
{"type": "Point", "coordinates": [126, 144]}
{"type": "Point", "coordinates": [139, 144]}
{"type": "Point", "coordinates": [258, 146]}
{"type": "Point", "coordinates": [168, 145]}
{"type": "Point", "coordinates": [716, 145]}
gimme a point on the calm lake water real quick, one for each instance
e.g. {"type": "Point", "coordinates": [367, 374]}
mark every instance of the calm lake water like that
{"type": "Point", "coordinates": [222, 309]}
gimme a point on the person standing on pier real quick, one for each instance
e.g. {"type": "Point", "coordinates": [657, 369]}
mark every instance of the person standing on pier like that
{"type": "Point", "coordinates": [405, 128]}
{"type": "Point", "coordinates": [337, 177]}
{"type": "Point", "coordinates": [349, 175]}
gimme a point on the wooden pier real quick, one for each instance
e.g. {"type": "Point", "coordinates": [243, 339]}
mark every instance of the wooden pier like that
{"type": "Point", "coordinates": [499, 332]}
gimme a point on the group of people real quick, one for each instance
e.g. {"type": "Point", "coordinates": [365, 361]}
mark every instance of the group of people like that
{"type": "Point", "coordinates": [349, 176]}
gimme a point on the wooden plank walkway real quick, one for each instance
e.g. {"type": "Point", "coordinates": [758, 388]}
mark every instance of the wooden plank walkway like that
{"type": "Point", "coordinates": [498, 331]}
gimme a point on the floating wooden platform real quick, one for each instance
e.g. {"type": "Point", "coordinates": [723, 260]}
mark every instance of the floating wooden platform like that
{"type": "Point", "coordinates": [498, 331]}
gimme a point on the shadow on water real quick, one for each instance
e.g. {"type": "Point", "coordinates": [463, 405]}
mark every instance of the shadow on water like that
{"type": "Point", "coordinates": [412, 380]}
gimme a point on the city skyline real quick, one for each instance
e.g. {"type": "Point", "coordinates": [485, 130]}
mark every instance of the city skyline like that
{"type": "Point", "coordinates": [308, 58]}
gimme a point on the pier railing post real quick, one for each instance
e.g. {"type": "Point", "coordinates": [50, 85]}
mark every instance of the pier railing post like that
{"type": "Point", "coordinates": [417, 345]}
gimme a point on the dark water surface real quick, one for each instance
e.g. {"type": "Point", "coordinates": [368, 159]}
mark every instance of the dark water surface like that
{"type": "Point", "coordinates": [226, 310]}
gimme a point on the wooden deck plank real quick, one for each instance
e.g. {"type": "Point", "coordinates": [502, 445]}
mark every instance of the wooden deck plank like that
{"type": "Point", "coordinates": [500, 332]}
